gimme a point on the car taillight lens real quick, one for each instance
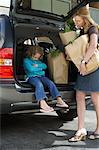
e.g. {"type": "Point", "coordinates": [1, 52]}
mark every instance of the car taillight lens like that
{"type": "Point", "coordinates": [6, 67]}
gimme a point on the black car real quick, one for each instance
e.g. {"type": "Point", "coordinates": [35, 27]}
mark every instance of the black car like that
{"type": "Point", "coordinates": [26, 26]}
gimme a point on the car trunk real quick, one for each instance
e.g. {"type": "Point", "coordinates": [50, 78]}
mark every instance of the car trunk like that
{"type": "Point", "coordinates": [44, 36]}
{"type": "Point", "coordinates": [30, 25]}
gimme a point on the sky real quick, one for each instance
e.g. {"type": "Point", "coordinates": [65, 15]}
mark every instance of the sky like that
{"type": "Point", "coordinates": [5, 3]}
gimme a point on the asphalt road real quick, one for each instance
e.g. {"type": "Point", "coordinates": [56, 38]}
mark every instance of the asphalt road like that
{"type": "Point", "coordinates": [44, 132]}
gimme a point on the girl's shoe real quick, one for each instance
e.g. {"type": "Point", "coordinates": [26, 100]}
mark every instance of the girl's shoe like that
{"type": "Point", "coordinates": [44, 107]}
{"type": "Point", "coordinates": [46, 110]}
{"type": "Point", "coordinates": [62, 104]}
{"type": "Point", "coordinates": [79, 136]}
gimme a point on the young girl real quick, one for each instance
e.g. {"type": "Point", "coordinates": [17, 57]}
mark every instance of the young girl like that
{"type": "Point", "coordinates": [35, 73]}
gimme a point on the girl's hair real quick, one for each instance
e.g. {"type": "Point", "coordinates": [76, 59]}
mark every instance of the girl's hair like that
{"type": "Point", "coordinates": [32, 50]}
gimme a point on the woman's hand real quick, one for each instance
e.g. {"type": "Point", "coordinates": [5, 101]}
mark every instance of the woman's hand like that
{"type": "Point", "coordinates": [82, 69]}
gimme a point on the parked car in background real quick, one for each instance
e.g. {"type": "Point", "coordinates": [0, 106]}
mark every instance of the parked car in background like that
{"type": "Point", "coordinates": [27, 23]}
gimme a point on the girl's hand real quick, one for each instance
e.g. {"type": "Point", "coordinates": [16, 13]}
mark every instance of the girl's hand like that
{"type": "Point", "coordinates": [82, 69]}
{"type": "Point", "coordinates": [35, 65]}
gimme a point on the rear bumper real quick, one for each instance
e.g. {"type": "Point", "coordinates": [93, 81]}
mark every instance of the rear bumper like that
{"type": "Point", "coordinates": [9, 95]}
{"type": "Point", "coordinates": [11, 100]}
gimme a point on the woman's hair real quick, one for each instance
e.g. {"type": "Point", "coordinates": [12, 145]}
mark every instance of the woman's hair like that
{"type": "Point", "coordinates": [87, 20]}
{"type": "Point", "coordinates": [32, 50]}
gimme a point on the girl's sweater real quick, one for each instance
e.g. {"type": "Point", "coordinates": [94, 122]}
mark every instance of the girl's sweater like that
{"type": "Point", "coordinates": [34, 67]}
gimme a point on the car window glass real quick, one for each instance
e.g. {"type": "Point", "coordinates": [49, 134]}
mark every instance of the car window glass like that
{"type": "Point", "coordinates": [59, 7]}
{"type": "Point", "coordinates": [28, 42]}
{"type": "Point", "coordinates": [1, 38]}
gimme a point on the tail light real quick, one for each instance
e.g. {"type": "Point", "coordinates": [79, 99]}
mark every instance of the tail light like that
{"type": "Point", "coordinates": [6, 66]}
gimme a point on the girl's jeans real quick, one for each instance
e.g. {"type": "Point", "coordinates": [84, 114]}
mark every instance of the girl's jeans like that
{"type": "Point", "coordinates": [39, 83]}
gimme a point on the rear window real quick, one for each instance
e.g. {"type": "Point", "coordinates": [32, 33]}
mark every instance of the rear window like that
{"type": "Point", "coordinates": [59, 7]}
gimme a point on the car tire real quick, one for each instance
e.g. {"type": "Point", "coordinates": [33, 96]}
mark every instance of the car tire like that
{"type": "Point", "coordinates": [68, 115]}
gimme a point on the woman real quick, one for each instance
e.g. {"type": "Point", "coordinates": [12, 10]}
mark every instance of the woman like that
{"type": "Point", "coordinates": [86, 83]}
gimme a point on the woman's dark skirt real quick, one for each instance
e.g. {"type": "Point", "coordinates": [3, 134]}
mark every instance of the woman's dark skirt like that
{"type": "Point", "coordinates": [88, 83]}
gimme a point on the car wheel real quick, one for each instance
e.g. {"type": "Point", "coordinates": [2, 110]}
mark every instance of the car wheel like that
{"type": "Point", "coordinates": [67, 115]}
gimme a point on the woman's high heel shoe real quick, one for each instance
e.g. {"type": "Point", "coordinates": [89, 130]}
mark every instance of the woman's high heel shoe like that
{"type": "Point", "coordinates": [79, 136]}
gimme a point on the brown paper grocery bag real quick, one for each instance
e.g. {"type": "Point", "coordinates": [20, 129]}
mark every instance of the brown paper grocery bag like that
{"type": "Point", "coordinates": [58, 68]}
{"type": "Point", "coordinates": [76, 52]}
{"type": "Point", "coordinates": [67, 37]}
{"type": "Point", "coordinates": [77, 49]}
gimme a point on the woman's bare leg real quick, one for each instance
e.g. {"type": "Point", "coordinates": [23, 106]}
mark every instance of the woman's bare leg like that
{"type": "Point", "coordinates": [80, 98]}
{"type": "Point", "coordinates": [81, 131]}
{"type": "Point", "coordinates": [95, 100]}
